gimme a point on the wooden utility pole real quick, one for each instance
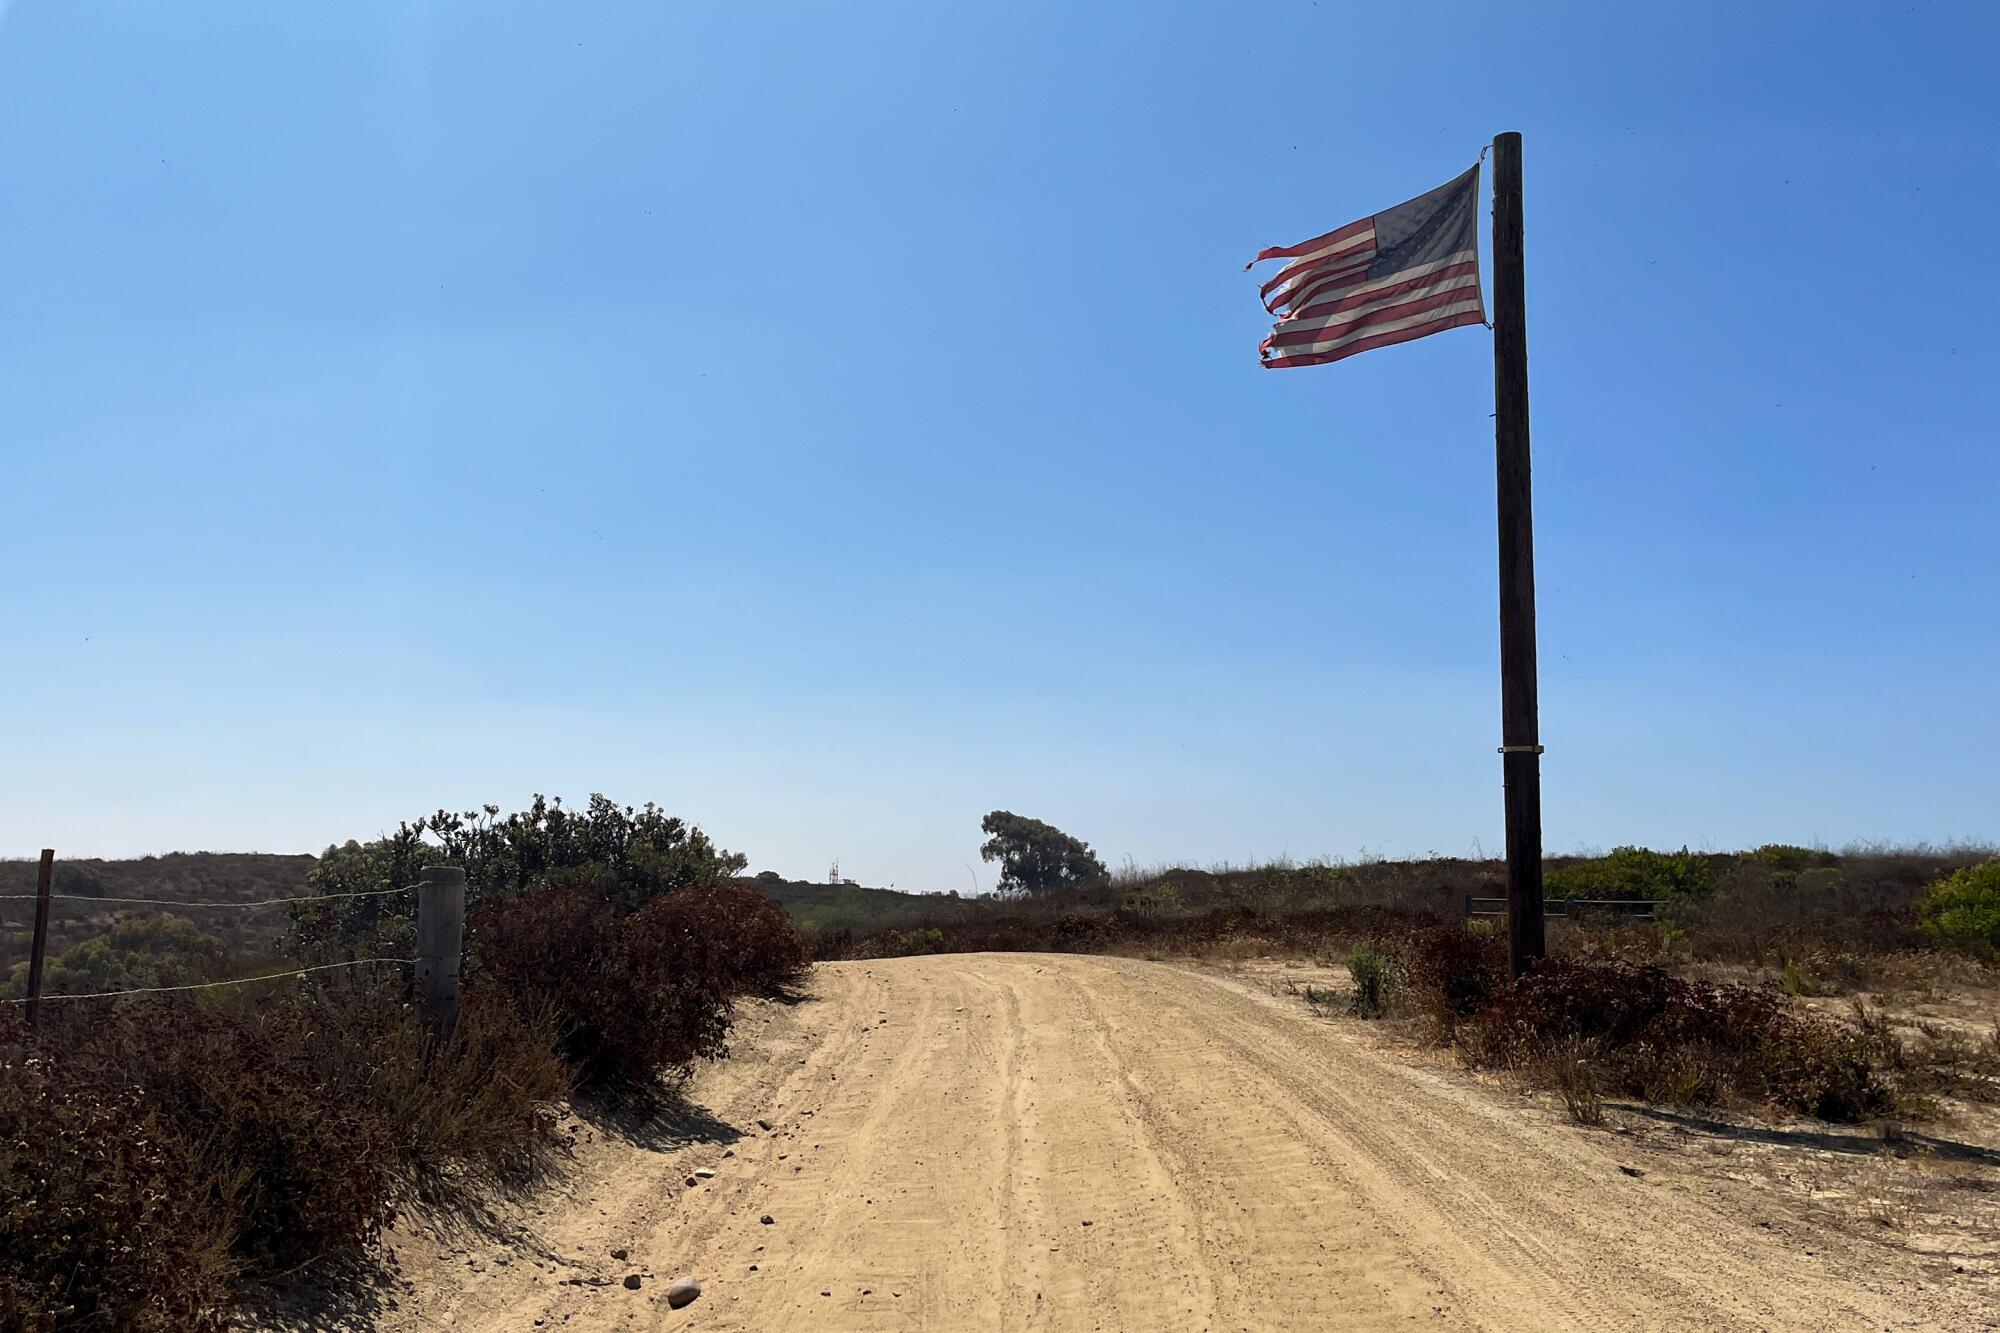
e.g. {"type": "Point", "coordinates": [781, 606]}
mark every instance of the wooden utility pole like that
{"type": "Point", "coordinates": [1520, 747]}
{"type": "Point", "coordinates": [440, 943]}
{"type": "Point", "coordinates": [39, 950]}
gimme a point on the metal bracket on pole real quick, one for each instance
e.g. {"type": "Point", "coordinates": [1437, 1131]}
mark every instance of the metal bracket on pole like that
{"type": "Point", "coordinates": [1519, 749]}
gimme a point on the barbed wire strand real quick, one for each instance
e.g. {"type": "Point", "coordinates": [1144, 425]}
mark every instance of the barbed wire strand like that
{"type": "Point", "coordinates": [210, 985]}
{"type": "Point", "coordinates": [183, 902]}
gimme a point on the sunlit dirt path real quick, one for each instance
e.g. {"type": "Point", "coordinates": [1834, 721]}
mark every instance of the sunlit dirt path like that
{"type": "Point", "coordinates": [1008, 1141]}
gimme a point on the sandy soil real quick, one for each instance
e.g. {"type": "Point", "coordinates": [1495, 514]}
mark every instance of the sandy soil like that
{"type": "Point", "coordinates": [1036, 1142]}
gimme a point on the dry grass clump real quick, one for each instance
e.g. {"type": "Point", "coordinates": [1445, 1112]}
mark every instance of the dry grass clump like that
{"type": "Point", "coordinates": [104, 1218]}
{"type": "Point", "coordinates": [1649, 1035]}
{"type": "Point", "coordinates": [156, 1156]}
{"type": "Point", "coordinates": [1589, 1030]}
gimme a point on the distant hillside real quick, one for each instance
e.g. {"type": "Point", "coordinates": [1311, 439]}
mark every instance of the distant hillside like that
{"type": "Point", "coordinates": [190, 877]}
{"type": "Point", "coordinates": [822, 907]}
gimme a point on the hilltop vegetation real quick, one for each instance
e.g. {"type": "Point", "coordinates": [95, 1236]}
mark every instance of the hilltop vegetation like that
{"type": "Point", "coordinates": [825, 908]}
{"type": "Point", "coordinates": [191, 877]}
{"type": "Point", "coordinates": [150, 949]}
{"type": "Point", "coordinates": [1775, 904]}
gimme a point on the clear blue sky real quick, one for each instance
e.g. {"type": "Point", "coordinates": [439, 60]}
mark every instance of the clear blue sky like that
{"type": "Point", "coordinates": [836, 421]}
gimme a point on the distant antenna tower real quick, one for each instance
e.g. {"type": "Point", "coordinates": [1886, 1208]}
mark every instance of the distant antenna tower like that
{"type": "Point", "coordinates": [833, 875]}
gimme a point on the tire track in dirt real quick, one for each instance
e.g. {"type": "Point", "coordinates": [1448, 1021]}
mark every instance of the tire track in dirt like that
{"type": "Point", "coordinates": [1516, 1216]}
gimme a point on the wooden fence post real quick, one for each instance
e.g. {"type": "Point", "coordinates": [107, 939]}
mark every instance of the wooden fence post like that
{"type": "Point", "coordinates": [38, 954]}
{"type": "Point", "coordinates": [440, 944]}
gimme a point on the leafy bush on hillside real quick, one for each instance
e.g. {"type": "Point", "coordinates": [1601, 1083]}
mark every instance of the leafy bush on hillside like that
{"type": "Point", "coordinates": [828, 945]}
{"type": "Point", "coordinates": [1963, 909]}
{"type": "Point", "coordinates": [625, 854]}
{"type": "Point", "coordinates": [1790, 856]}
{"type": "Point", "coordinates": [908, 943]}
{"type": "Point", "coordinates": [155, 949]}
{"type": "Point", "coordinates": [1632, 872]}
{"type": "Point", "coordinates": [1369, 971]}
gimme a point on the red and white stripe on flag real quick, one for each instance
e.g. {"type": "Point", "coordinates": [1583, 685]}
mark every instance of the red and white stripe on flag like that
{"type": "Point", "coordinates": [1400, 274]}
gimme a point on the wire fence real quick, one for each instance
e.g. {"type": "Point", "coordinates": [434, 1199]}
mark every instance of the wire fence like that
{"type": "Point", "coordinates": [209, 985]}
{"type": "Point", "coordinates": [184, 903]}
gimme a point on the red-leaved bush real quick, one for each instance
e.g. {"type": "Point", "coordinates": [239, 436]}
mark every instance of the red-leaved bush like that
{"type": "Point", "coordinates": [728, 931]}
{"type": "Point", "coordinates": [635, 995]}
{"type": "Point", "coordinates": [1663, 1039]}
{"type": "Point", "coordinates": [1452, 973]}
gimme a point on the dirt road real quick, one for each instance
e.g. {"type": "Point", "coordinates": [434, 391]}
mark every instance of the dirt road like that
{"type": "Point", "coordinates": [1037, 1142]}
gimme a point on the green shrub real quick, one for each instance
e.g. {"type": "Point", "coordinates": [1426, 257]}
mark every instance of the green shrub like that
{"type": "Point", "coordinates": [628, 855]}
{"type": "Point", "coordinates": [1781, 856]}
{"type": "Point", "coordinates": [1320, 997]}
{"type": "Point", "coordinates": [919, 940]}
{"type": "Point", "coordinates": [151, 949]}
{"type": "Point", "coordinates": [1370, 971]}
{"type": "Point", "coordinates": [158, 1153]}
{"type": "Point", "coordinates": [1963, 909]}
{"type": "Point", "coordinates": [1633, 872]}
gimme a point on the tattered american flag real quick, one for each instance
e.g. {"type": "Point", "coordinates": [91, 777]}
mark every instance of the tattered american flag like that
{"type": "Point", "coordinates": [1406, 272]}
